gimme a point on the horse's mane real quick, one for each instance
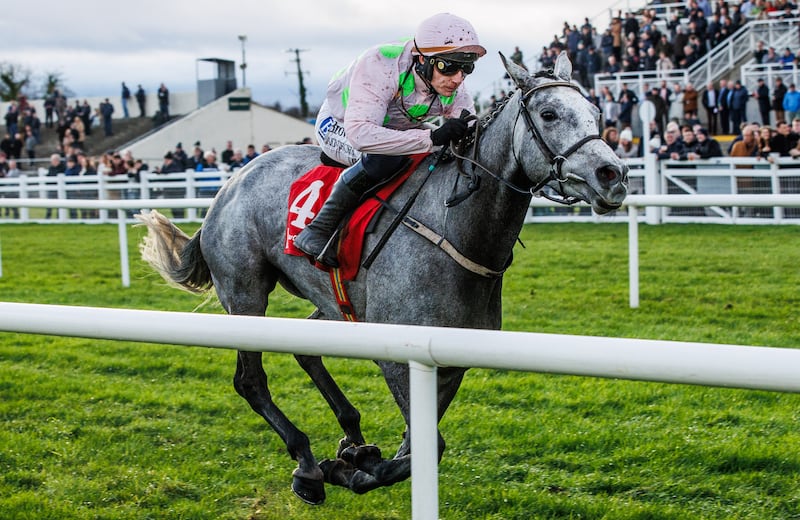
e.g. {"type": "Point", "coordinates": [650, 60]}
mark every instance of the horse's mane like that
{"type": "Point", "coordinates": [488, 117]}
{"type": "Point", "coordinates": [545, 73]}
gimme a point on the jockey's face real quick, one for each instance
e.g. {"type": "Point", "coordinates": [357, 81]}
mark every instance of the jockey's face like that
{"type": "Point", "coordinates": [448, 75]}
{"type": "Point", "coordinates": [446, 85]}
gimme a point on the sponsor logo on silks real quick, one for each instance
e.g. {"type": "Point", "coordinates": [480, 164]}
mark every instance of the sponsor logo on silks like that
{"type": "Point", "coordinates": [325, 127]}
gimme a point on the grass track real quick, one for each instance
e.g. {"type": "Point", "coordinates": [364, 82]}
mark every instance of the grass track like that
{"type": "Point", "coordinates": [96, 429]}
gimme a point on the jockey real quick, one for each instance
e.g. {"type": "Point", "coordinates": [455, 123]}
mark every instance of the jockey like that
{"type": "Point", "coordinates": [376, 111]}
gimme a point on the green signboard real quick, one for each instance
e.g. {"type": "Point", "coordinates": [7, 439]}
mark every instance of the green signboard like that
{"type": "Point", "coordinates": [238, 103]}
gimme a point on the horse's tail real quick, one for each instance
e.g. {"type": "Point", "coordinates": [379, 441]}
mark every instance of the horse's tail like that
{"type": "Point", "coordinates": [175, 255]}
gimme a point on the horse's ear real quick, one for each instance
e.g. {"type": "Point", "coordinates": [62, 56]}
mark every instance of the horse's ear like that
{"type": "Point", "coordinates": [563, 67]}
{"type": "Point", "coordinates": [515, 72]}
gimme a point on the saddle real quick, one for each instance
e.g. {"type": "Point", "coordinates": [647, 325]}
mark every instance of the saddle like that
{"type": "Point", "coordinates": [307, 195]}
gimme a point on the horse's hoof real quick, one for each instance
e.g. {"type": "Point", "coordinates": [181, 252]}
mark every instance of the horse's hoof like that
{"type": "Point", "coordinates": [337, 472]}
{"type": "Point", "coordinates": [344, 443]}
{"type": "Point", "coordinates": [391, 472]}
{"type": "Point", "coordinates": [363, 457]}
{"type": "Point", "coordinates": [309, 490]}
{"type": "Point", "coordinates": [363, 482]}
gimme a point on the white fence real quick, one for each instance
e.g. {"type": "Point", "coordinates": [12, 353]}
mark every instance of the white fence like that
{"type": "Point", "coordinates": [724, 175]}
{"type": "Point", "coordinates": [61, 188]}
{"type": "Point", "coordinates": [719, 176]}
{"type": "Point", "coordinates": [426, 348]}
{"type": "Point", "coordinates": [633, 202]}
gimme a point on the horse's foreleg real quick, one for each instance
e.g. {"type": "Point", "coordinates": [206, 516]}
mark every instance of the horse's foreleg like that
{"type": "Point", "coordinates": [346, 414]}
{"type": "Point", "coordinates": [250, 382]}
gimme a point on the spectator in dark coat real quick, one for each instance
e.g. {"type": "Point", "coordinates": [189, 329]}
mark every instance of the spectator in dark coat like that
{"type": "Point", "coordinates": [140, 100]}
{"type": "Point", "coordinates": [710, 102]}
{"type": "Point", "coordinates": [173, 164]}
{"type": "Point", "coordinates": [764, 105]}
{"type": "Point", "coordinates": [625, 110]}
{"type": "Point", "coordinates": [181, 157]}
{"type": "Point", "coordinates": [777, 99]}
{"type": "Point", "coordinates": [724, 107]}
{"type": "Point", "coordinates": [708, 147]}
{"type": "Point", "coordinates": [782, 141]}
{"type": "Point", "coordinates": [689, 151]}
{"type": "Point", "coordinates": [106, 109]}
{"type": "Point", "coordinates": [738, 104]}
{"type": "Point", "coordinates": [671, 148]}
{"type": "Point", "coordinates": [55, 167]}
{"type": "Point", "coordinates": [163, 102]}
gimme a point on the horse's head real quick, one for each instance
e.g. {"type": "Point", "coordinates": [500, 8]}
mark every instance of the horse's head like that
{"type": "Point", "coordinates": [561, 128]}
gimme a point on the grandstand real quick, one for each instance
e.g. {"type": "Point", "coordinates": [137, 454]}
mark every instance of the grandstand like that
{"type": "Point", "coordinates": [730, 57]}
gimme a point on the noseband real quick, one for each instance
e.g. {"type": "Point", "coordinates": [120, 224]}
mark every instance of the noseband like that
{"type": "Point", "coordinates": [556, 160]}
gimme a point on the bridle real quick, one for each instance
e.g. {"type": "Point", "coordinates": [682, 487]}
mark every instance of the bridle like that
{"type": "Point", "coordinates": [556, 160]}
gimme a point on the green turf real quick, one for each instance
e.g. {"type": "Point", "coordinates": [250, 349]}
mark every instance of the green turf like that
{"type": "Point", "coordinates": [111, 430]}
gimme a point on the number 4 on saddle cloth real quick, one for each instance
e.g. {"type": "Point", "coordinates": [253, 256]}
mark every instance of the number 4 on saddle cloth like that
{"type": "Point", "coordinates": [307, 195]}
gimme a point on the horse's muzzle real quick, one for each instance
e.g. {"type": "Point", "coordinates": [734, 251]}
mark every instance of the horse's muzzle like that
{"type": "Point", "coordinates": [613, 182]}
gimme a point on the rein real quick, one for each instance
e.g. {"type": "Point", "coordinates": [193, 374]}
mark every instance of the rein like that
{"type": "Point", "coordinates": [556, 160]}
{"type": "Point", "coordinates": [556, 174]}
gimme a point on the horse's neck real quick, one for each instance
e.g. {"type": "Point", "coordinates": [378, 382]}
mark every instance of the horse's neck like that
{"type": "Point", "coordinates": [486, 225]}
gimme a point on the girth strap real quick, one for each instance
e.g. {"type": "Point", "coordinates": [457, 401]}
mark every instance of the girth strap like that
{"type": "Point", "coordinates": [342, 298]}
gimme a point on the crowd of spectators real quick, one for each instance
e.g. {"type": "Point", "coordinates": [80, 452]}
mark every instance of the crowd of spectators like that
{"type": "Point", "coordinates": [73, 123]}
{"type": "Point", "coordinates": [23, 132]}
{"type": "Point", "coordinates": [687, 142]}
{"type": "Point", "coordinates": [648, 41]}
{"type": "Point", "coordinates": [644, 41]}
{"type": "Point", "coordinates": [767, 142]}
{"type": "Point", "coordinates": [677, 142]}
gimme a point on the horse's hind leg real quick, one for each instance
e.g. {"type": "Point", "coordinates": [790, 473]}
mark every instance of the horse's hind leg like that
{"type": "Point", "coordinates": [244, 291]}
{"type": "Point", "coordinates": [346, 414]}
{"type": "Point", "coordinates": [250, 382]}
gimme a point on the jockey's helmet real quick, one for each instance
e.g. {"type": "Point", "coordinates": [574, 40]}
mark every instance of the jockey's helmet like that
{"type": "Point", "coordinates": [446, 33]}
{"type": "Point", "coordinates": [447, 36]}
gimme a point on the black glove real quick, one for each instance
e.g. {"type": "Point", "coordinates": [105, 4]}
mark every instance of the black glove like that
{"type": "Point", "coordinates": [451, 130]}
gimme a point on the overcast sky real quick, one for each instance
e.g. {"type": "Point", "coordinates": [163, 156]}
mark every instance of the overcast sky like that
{"type": "Point", "coordinates": [96, 44]}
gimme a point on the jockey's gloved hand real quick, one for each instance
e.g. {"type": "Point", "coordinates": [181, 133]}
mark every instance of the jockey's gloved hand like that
{"type": "Point", "coordinates": [451, 130]}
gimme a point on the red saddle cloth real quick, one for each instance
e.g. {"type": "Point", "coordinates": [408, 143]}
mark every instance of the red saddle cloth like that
{"type": "Point", "coordinates": [307, 195]}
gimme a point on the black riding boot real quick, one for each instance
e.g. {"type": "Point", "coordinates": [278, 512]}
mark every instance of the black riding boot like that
{"type": "Point", "coordinates": [313, 239]}
{"type": "Point", "coordinates": [355, 182]}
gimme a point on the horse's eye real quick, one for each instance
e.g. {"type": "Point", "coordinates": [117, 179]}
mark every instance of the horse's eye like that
{"type": "Point", "coordinates": [548, 116]}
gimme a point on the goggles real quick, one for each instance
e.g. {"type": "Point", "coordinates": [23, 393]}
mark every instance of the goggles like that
{"type": "Point", "coordinates": [451, 67]}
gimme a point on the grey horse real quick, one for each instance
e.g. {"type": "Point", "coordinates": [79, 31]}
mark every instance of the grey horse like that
{"type": "Point", "coordinates": [542, 139]}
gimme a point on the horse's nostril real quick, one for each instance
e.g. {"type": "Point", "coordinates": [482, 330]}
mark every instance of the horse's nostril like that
{"type": "Point", "coordinates": [607, 176]}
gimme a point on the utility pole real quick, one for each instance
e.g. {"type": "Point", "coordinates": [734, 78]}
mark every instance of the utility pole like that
{"type": "Point", "coordinates": [243, 39]}
{"type": "Point", "coordinates": [303, 102]}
